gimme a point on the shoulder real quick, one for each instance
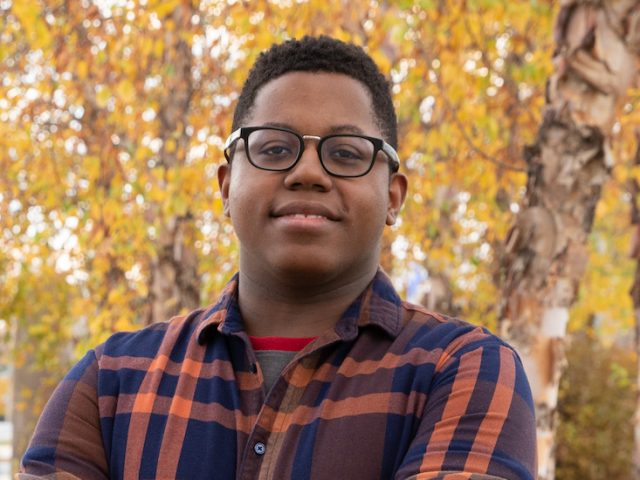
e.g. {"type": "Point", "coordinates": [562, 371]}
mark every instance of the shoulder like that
{"type": "Point", "coordinates": [450, 337]}
{"type": "Point", "coordinates": [462, 350]}
{"type": "Point", "coordinates": [476, 388]}
{"type": "Point", "coordinates": [125, 360]}
{"type": "Point", "coordinates": [155, 339]}
{"type": "Point", "coordinates": [431, 326]}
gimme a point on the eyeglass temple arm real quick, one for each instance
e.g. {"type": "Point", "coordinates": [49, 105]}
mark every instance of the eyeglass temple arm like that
{"type": "Point", "coordinates": [235, 135]}
{"type": "Point", "coordinates": [392, 154]}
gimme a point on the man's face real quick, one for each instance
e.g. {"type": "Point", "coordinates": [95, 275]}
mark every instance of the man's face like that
{"type": "Point", "coordinates": [304, 225]}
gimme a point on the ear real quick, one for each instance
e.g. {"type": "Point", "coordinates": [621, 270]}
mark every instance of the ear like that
{"type": "Point", "coordinates": [397, 194]}
{"type": "Point", "coordinates": [224, 178]}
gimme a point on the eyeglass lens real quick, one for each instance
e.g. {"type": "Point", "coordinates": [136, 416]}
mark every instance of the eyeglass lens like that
{"type": "Point", "coordinates": [279, 150]}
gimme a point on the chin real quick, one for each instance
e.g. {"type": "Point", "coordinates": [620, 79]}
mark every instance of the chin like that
{"type": "Point", "coordinates": [318, 273]}
{"type": "Point", "coordinates": [307, 273]}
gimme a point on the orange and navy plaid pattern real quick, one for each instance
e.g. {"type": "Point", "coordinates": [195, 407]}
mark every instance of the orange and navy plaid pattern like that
{"type": "Point", "coordinates": [392, 391]}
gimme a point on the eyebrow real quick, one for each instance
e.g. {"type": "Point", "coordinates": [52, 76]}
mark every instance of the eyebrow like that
{"type": "Point", "coordinates": [333, 130]}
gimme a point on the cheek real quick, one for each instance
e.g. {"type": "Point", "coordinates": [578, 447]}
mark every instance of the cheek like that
{"type": "Point", "coordinates": [240, 200]}
{"type": "Point", "coordinates": [242, 188]}
{"type": "Point", "coordinates": [372, 210]}
{"type": "Point", "coordinates": [251, 193]}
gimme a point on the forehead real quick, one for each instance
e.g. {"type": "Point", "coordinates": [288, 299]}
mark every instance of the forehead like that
{"type": "Point", "coordinates": [314, 103]}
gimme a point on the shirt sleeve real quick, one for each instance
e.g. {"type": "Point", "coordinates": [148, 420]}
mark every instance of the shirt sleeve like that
{"type": "Point", "coordinates": [67, 442]}
{"type": "Point", "coordinates": [479, 420]}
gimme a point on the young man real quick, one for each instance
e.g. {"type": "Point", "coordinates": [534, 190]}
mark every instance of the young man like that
{"type": "Point", "coordinates": [309, 365]}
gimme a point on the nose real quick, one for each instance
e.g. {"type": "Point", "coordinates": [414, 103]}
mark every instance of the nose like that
{"type": "Point", "coordinates": [308, 172]}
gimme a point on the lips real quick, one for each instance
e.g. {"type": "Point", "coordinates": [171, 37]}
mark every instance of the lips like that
{"type": "Point", "coordinates": [305, 210]}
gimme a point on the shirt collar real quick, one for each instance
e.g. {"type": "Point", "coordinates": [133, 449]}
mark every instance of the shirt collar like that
{"type": "Point", "coordinates": [378, 305]}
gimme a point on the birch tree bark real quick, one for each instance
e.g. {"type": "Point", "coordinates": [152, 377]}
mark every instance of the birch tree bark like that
{"type": "Point", "coordinates": [546, 249]}
{"type": "Point", "coordinates": [634, 190]}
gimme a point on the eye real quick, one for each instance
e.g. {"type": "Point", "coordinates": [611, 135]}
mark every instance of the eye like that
{"type": "Point", "coordinates": [272, 146]}
{"type": "Point", "coordinates": [275, 150]}
{"type": "Point", "coordinates": [345, 153]}
{"type": "Point", "coordinates": [272, 152]}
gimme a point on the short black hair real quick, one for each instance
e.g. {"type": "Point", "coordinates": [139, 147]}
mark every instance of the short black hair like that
{"type": "Point", "coordinates": [321, 54]}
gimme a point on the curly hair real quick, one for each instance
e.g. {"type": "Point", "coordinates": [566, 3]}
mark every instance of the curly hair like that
{"type": "Point", "coordinates": [321, 54]}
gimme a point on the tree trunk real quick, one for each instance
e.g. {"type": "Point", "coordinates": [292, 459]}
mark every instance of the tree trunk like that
{"type": "Point", "coordinates": [546, 248]}
{"type": "Point", "coordinates": [634, 190]}
{"type": "Point", "coordinates": [636, 418]}
{"type": "Point", "coordinates": [174, 281]}
{"type": "Point", "coordinates": [174, 284]}
{"type": "Point", "coordinates": [439, 296]}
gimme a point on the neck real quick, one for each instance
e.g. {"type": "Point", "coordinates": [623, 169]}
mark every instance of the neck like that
{"type": "Point", "coordinates": [295, 309]}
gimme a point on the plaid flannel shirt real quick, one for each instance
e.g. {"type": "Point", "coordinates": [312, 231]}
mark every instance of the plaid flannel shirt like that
{"type": "Point", "coordinates": [392, 391]}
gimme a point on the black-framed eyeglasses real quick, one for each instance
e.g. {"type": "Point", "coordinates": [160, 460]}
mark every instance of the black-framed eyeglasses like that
{"type": "Point", "coordinates": [279, 149]}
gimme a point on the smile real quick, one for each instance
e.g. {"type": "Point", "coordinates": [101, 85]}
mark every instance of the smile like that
{"type": "Point", "coordinates": [306, 215]}
{"type": "Point", "coordinates": [308, 211]}
{"type": "Point", "coordinates": [303, 220]}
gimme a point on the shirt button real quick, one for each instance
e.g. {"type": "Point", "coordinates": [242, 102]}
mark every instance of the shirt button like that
{"type": "Point", "coordinates": [259, 448]}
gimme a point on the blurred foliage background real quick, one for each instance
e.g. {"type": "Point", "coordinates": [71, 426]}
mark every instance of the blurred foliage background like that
{"type": "Point", "coordinates": [112, 118]}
